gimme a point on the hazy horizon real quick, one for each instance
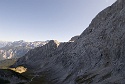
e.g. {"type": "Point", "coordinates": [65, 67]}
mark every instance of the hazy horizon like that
{"type": "Point", "coordinates": [41, 20]}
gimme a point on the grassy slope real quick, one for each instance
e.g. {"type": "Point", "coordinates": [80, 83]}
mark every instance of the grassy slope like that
{"type": "Point", "coordinates": [4, 64]}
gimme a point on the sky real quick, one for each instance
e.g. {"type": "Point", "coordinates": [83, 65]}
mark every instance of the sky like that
{"type": "Point", "coordinates": [40, 20]}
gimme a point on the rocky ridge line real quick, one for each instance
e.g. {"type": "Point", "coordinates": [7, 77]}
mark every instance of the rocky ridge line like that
{"type": "Point", "coordinates": [96, 57]}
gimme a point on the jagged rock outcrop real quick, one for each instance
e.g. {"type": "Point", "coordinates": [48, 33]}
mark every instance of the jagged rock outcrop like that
{"type": "Point", "coordinates": [74, 38]}
{"type": "Point", "coordinates": [17, 49]}
{"type": "Point", "coordinates": [96, 57]}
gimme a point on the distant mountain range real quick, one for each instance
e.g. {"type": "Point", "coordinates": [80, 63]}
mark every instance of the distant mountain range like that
{"type": "Point", "coordinates": [17, 49]}
{"type": "Point", "coordinates": [4, 43]}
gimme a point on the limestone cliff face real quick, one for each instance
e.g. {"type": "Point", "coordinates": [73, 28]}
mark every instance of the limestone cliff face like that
{"type": "Point", "coordinates": [96, 57]}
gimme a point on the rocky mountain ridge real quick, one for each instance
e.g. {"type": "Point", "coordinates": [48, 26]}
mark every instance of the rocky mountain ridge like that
{"type": "Point", "coordinates": [17, 49]}
{"type": "Point", "coordinates": [97, 56]}
{"type": "Point", "coordinates": [4, 43]}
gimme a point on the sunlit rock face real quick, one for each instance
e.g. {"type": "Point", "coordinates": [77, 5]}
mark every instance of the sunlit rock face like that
{"type": "Point", "coordinates": [96, 57]}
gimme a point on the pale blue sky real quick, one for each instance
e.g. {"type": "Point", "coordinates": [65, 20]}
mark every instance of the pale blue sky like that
{"type": "Point", "coordinates": [39, 20]}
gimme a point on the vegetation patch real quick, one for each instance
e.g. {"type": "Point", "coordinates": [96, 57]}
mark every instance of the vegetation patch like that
{"type": "Point", "coordinates": [19, 69]}
{"type": "Point", "coordinates": [5, 64]}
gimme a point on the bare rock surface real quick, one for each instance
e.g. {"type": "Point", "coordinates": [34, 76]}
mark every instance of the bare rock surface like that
{"type": "Point", "coordinates": [74, 38]}
{"type": "Point", "coordinates": [96, 57]}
